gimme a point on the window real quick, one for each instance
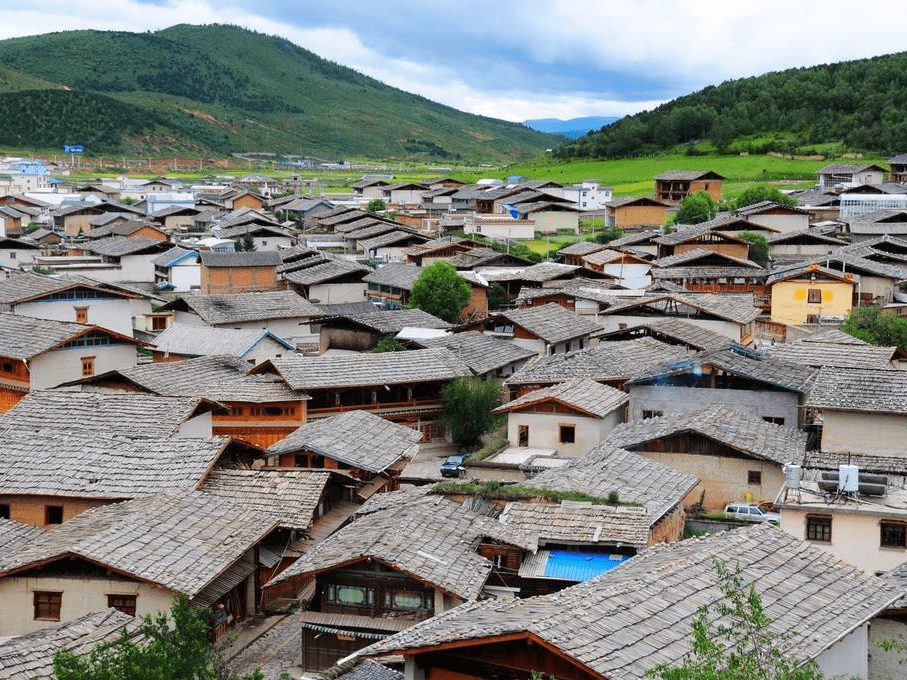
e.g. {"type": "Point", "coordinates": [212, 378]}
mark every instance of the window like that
{"type": "Point", "coordinates": [754, 477]}
{"type": "Point", "coordinates": [818, 528]}
{"type": "Point", "coordinates": [814, 296]}
{"type": "Point", "coordinates": [125, 603]}
{"type": "Point", "coordinates": [53, 514]}
{"type": "Point", "coordinates": [361, 596]}
{"type": "Point", "coordinates": [4, 511]}
{"type": "Point", "coordinates": [567, 434]}
{"type": "Point", "coordinates": [773, 419]}
{"type": "Point", "coordinates": [522, 435]}
{"type": "Point", "coordinates": [158, 323]}
{"type": "Point", "coordinates": [47, 605]}
{"type": "Point", "coordinates": [893, 534]}
{"type": "Point", "coordinates": [87, 367]}
{"type": "Point", "coordinates": [651, 414]}
{"type": "Point", "coordinates": [81, 314]}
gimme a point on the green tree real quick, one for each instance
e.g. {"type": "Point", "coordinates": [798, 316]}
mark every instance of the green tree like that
{"type": "Point", "coordinates": [375, 205]}
{"type": "Point", "coordinates": [247, 243]}
{"type": "Point", "coordinates": [441, 291]}
{"type": "Point", "coordinates": [468, 402]}
{"type": "Point", "coordinates": [696, 208]}
{"type": "Point", "coordinates": [762, 192]}
{"type": "Point", "coordinates": [758, 246]}
{"type": "Point", "coordinates": [734, 642]}
{"type": "Point", "coordinates": [876, 326]}
{"type": "Point", "coordinates": [389, 343]}
{"type": "Point", "coordinates": [176, 648]}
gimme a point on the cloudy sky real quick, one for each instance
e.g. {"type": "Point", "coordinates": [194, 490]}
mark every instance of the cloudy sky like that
{"type": "Point", "coordinates": [527, 59]}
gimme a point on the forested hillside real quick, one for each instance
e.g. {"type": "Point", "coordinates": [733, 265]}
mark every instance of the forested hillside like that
{"type": "Point", "coordinates": [859, 105]}
{"type": "Point", "coordinates": [222, 89]}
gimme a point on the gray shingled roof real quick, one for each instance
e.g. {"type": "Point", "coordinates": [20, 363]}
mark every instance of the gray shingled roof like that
{"type": "Point", "coordinates": [750, 435]}
{"type": "Point", "coordinates": [584, 394]}
{"type": "Point", "coordinates": [739, 309]}
{"type": "Point", "coordinates": [12, 536]}
{"type": "Point", "coordinates": [289, 497]}
{"type": "Point", "coordinates": [394, 320]}
{"type": "Point", "coordinates": [385, 368]}
{"type": "Point", "coordinates": [482, 353]}
{"type": "Point", "coordinates": [22, 286]}
{"type": "Point", "coordinates": [245, 258]}
{"type": "Point", "coordinates": [585, 524]}
{"type": "Point", "coordinates": [680, 331]}
{"type": "Point", "coordinates": [102, 466]}
{"type": "Point", "coordinates": [24, 337]}
{"type": "Point", "coordinates": [817, 354]}
{"type": "Point", "coordinates": [431, 539]}
{"type": "Point", "coordinates": [739, 361]}
{"type": "Point", "coordinates": [31, 656]}
{"type": "Point", "coordinates": [138, 415]}
{"type": "Point", "coordinates": [357, 438]}
{"type": "Point", "coordinates": [117, 246]}
{"type": "Point", "coordinates": [607, 469]}
{"type": "Point", "coordinates": [858, 389]}
{"type": "Point", "coordinates": [551, 322]}
{"type": "Point", "coordinates": [240, 307]}
{"type": "Point", "coordinates": [606, 361]}
{"type": "Point", "coordinates": [624, 622]}
{"type": "Point", "coordinates": [180, 541]}
{"type": "Point", "coordinates": [324, 271]}
{"type": "Point", "coordinates": [691, 256]}
{"type": "Point", "coordinates": [194, 340]}
{"type": "Point", "coordinates": [395, 275]}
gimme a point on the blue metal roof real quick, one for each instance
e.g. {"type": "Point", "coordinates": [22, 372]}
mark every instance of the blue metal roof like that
{"type": "Point", "coordinates": [571, 565]}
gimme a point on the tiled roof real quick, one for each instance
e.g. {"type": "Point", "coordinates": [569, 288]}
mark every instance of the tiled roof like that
{"type": "Point", "coordinates": [432, 539]}
{"type": "Point", "coordinates": [688, 174]}
{"type": "Point", "coordinates": [117, 246]}
{"type": "Point", "coordinates": [678, 331]}
{"type": "Point", "coordinates": [102, 466]}
{"type": "Point", "coordinates": [551, 322]}
{"type": "Point", "coordinates": [739, 309]}
{"type": "Point", "coordinates": [254, 258]}
{"type": "Point", "coordinates": [385, 368]}
{"type": "Point", "coordinates": [394, 320]}
{"type": "Point", "coordinates": [31, 656]}
{"type": "Point", "coordinates": [194, 340]}
{"type": "Point", "coordinates": [624, 622]}
{"type": "Point", "coordinates": [289, 497]}
{"type": "Point", "coordinates": [607, 469]}
{"type": "Point", "coordinates": [482, 353]}
{"type": "Point", "coordinates": [689, 258]}
{"type": "Point", "coordinates": [240, 307]}
{"type": "Point", "coordinates": [605, 361]}
{"type": "Point", "coordinates": [325, 271]}
{"type": "Point", "coordinates": [738, 361]}
{"type": "Point", "coordinates": [12, 536]}
{"type": "Point", "coordinates": [355, 438]}
{"type": "Point", "coordinates": [539, 273]}
{"type": "Point", "coordinates": [387, 239]}
{"type": "Point", "coordinates": [584, 394]}
{"type": "Point", "coordinates": [764, 206]}
{"type": "Point", "coordinates": [574, 523]}
{"type": "Point", "coordinates": [858, 389]}
{"type": "Point", "coordinates": [817, 354]}
{"type": "Point", "coordinates": [138, 415]}
{"type": "Point", "coordinates": [582, 248]}
{"type": "Point", "coordinates": [173, 255]}
{"type": "Point", "coordinates": [749, 435]}
{"type": "Point", "coordinates": [23, 337]}
{"type": "Point", "coordinates": [181, 542]}
{"type": "Point", "coordinates": [396, 275]}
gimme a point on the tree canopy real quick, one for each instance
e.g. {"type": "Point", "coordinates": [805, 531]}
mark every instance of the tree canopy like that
{"type": "Point", "coordinates": [176, 648]}
{"type": "Point", "coordinates": [762, 192]}
{"type": "Point", "coordinates": [876, 326]}
{"type": "Point", "coordinates": [468, 402]}
{"type": "Point", "coordinates": [696, 208]}
{"type": "Point", "coordinates": [441, 291]}
{"type": "Point", "coordinates": [758, 246]}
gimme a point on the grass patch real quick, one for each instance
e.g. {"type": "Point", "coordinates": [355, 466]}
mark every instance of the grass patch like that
{"type": "Point", "coordinates": [513, 492]}
{"type": "Point", "coordinates": [488, 450]}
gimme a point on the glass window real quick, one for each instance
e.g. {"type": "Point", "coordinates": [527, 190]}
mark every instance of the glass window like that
{"type": "Point", "coordinates": [567, 434]}
{"type": "Point", "coordinates": [893, 534]}
{"type": "Point", "coordinates": [47, 605]}
{"type": "Point", "coordinates": [125, 603]}
{"type": "Point", "coordinates": [814, 296]}
{"type": "Point", "coordinates": [818, 528]}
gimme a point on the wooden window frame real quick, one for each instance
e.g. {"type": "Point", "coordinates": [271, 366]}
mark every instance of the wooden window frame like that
{"type": "Point", "coordinates": [566, 433]}
{"type": "Point", "coordinates": [122, 602]}
{"type": "Point", "coordinates": [890, 528]}
{"type": "Point", "coordinates": [814, 296]}
{"type": "Point", "coordinates": [51, 512]}
{"type": "Point", "coordinates": [818, 528]}
{"type": "Point", "coordinates": [651, 413]}
{"type": "Point", "coordinates": [87, 367]}
{"type": "Point", "coordinates": [81, 315]}
{"type": "Point", "coordinates": [47, 605]}
{"type": "Point", "coordinates": [754, 477]}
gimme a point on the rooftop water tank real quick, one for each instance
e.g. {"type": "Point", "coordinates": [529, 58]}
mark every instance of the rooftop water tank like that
{"type": "Point", "coordinates": [793, 473]}
{"type": "Point", "coordinates": [848, 478]}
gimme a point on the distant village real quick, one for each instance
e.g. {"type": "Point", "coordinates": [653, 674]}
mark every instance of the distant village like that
{"type": "Point", "coordinates": [190, 404]}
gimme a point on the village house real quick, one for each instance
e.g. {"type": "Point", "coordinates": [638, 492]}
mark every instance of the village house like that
{"type": "Point", "coordinates": [368, 449]}
{"type": "Point", "coordinates": [705, 271]}
{"type": "Point", "coordinates": [811, 294]}
{"type": "Point", "coordinates": [734, 376]}
{"type": "Point", "coordinates": [117, 259]}
{"type": "Point", "coordinates": [891, 222]}
{"type": "Point", "coordinates": [626, 270]}
{"type": "Point", "coordinates": [403, 387]}
{"type": "Point", "coordinates": [325, 278]}
{"type": "Point", "coordinates": [549, 329]}
{"type": "Point", "coordinates": [17, 253]}
{"type": "Point", "coordinates": [131, 556]}
{"type": "Point", "coordinates": [36, 354]}
{"type": "Point", "coordinates": [776, 216]}
{"type": "Point", "coordinates": [736, 456]}
{"type": "Point", "coordinates": [580, 295]}
{"type": "Point", "coordinates": [266, 236]}
{"type": "Point", "coordinates": [442, 248]}
{"type": "Point", "coordinates": [635, 213]}
{"type": "Point", "coordinates": [675, 185]}
{"type": "Point", "coordinates": [672, 332]}
{"type": "Point", "coordinates": [480, 640]}
{"type": "Point", "coordinates": [701, 236]}
{"type": "Point", "coordinates": [836, 348]}
{"type": "Point", "coordinates": [838, 175]}
{"type": "Point", "coordinates": [240, 272]}
{"type": "Point", "coordinates": [486, 356]}
{"type": "Point", "coordinates": [178, 270]}
{"type": "Point", "coordinates": [363, 332]}
{"type": "Point", "coordinates": [184, 341]}
{"type": "Point", "coordinates": [569, 418]}
{"type": "Point", "coordinates": [796, 246]}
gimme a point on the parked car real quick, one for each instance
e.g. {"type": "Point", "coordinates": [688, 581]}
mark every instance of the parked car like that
{"type": "Point", "coordinates": [752, 512]}
{"type": "Point", "coordinates": [453, 466]}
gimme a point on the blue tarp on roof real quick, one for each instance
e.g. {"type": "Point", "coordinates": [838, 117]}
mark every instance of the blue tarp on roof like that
{"type": "Point", "coordinates": [580, 566]}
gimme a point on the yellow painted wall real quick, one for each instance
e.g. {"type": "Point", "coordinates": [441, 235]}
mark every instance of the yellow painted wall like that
{"type": "Point", "coordinates": [790, 300]}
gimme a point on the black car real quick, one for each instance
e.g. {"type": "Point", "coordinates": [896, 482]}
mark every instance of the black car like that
{"type": "Point", "coordinates": [453, 466]}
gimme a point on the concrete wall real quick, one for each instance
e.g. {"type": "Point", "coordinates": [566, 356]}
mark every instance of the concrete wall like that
{"type": "Point", "coordinates": [80, 596]}
{"type": "Point", "coordinates": [544, 430]}
{"type": "Point", "coordinates": [63, 365]}
{"type": "Point", "coordinates": [790, 300]}
{"type": "Point", "coordinates": [855, 537]}
{"type": "Point", "coordinates": [783, 223]}
{"type": "Point", "coordinates": [549, 221]}
{"type": "Point", "coordinates": [30, 509]}
{"type": "Point", "coordinates": [879, 434]}
{"type": "Point", "coordinates": [115, 314]}
{"type": "Point", "coordinates": [335, 293]}
{"type": "Point", "coordinates": [197, 427]}
{"type": "Point", "coordinates": [849, 657]}
{"type": "Point", "coordinates": [673, 399]}
{"type": "Point", "coordinates": [639, 215]}
{"type": "Point", "coordinates": [186, 277]}
{"type": "Point", "coordinates": [886, 665]}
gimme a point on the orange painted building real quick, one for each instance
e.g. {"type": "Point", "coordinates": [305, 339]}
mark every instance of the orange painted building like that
{"type": "Point", "coordinates": [240, 272]}
{"type": "Point", "coordinates": [675, 185]}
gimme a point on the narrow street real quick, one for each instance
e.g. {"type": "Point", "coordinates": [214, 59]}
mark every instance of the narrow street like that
{"type": "Point", "coordinates": [277, 651]}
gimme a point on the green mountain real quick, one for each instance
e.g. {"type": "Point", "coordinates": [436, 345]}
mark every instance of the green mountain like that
{"type": "Point", "coordinates": [855, 105]}
{"type": "Point", "coordinates": [214, 90]}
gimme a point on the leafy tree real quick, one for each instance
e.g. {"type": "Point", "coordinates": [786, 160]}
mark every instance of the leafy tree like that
{"type": "Point", "coordinates": [247, 243]}
{"type": "Point", "coordinates": [441, 291]}
{"type": "Point", "coordinates": [876, 326]}
{"type": "Point", "coordinates": [609, 234]}
{"type": "Point", "coordinates": [375, 205]}
{"type": "Point", "coordinates": [734, 642]}
{"type": "Point", "coordinates": [389, 343]}
{"type": "Point", "coordinates": [176, 648]}
{"type": "Point", "coordinates": [696, 208]}
{"type": "Point", "coordinates": [468, 402]}
{"type": "Point", "coordinates": [758, 246]}
{"type": "Point", "coordinates": [762, 192]}
{"type": "Point", "coordinates": [497, 296]}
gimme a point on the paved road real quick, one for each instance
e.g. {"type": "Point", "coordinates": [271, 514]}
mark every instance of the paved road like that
{"type": "Point", "coordinates": [276, 652]}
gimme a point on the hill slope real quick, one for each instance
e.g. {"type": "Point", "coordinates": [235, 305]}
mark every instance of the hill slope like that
{"type": "Point", "coordinates": [859, 104]}
{"type": "Point", "coordinates": [220, 89]}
